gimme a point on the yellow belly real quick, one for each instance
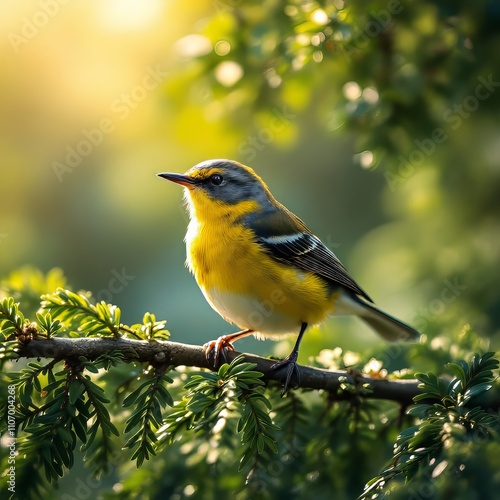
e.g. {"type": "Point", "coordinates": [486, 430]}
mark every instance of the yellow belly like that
{"type": "Point", "coordinates": [249, 288]}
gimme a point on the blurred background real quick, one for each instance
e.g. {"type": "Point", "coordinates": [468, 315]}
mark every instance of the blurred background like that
{"type": "Point", "coordinates": [376, 122]}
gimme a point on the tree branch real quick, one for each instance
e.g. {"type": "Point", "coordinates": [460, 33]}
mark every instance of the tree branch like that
{"type": "Point", "coordinates": [177, 354]}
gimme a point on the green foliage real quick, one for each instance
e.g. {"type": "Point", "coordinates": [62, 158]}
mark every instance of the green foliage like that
{"type": "Point", "coordinates": [236, 389]}
{"type": "Point", "coordinates": [60, 404]}
{"type": "Point", "coordinates": [149, 399]}
{"type": "Point", "coordinates": [393, 67]}
{"type": "Point", "coordinates": [48, 326]}
{"type": "Point", "coordinates": [448, 418]}
{"type": "Point", "coordinates": [56, 410]}
{"type": "Point", "coordinates": [99, 320]}
{"type": "Point", "coordinates": [11, 319]}
{"type": "Point", "coordinates": [12, 324]}
{"type": "Point", "coordinates": [184, 428]}
{"type": "Point", "coordinates": [150, 329]}
{"type": "Point", "coordinates": [28, 283]}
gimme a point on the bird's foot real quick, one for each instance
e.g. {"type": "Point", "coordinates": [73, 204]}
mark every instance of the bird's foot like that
{"type": "Point", "coordinates": [222, 345]}
{"type": "Point", "coordinates": [215, 348]}
{"type": "Point", "coordinates": [292, 372]}
{"type": "Point", "coordinates": [356, 374]}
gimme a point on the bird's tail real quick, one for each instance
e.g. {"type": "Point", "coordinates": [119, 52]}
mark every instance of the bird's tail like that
{"type": "Point", "coordinates": [384, 324]}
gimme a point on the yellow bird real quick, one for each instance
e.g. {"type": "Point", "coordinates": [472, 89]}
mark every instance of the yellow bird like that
{"type": "Point", "coordinates": [261, 268]}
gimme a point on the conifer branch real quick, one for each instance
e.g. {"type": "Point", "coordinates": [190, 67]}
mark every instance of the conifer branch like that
{"type": "Point", "coordinates": [177, 354]}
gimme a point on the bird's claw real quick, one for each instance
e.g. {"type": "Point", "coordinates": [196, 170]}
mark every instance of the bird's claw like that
{"type": "Point", "coordinates": [215, 348]}
{"type": "Point", "coordinates": [292, 371]}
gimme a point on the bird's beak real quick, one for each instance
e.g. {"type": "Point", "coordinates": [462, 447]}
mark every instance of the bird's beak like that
{"type": "Point", "coordinates": [183, 180]}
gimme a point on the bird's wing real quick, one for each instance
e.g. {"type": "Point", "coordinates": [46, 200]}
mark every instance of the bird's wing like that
{"type": "Point", "coordinates": [286, 238]}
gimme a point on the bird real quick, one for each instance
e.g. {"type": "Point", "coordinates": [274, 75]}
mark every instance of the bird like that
{"type": "Point", "coordinates": [261, 268]}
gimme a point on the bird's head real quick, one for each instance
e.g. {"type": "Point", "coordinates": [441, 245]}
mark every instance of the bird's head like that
{"type": "Point", "coordinates": [222, 183]}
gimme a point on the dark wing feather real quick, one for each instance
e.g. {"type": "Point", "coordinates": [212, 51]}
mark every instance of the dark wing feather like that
{"type": "Point", "coordinates": [288, 239]}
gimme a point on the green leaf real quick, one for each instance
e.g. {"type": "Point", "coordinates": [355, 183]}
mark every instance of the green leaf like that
{"type": "Point", "coordinates": [76, 390]}
{"type": "Point", "coordinates": [459, 369]}
{"type": "Point", "coordinates": [476, 390]}
{"type": "Point", "coordinates": [245, 459]}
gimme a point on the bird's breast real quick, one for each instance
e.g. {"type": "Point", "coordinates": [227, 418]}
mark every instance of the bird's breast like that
{"type": "Point", "coordinates": [248, 287]}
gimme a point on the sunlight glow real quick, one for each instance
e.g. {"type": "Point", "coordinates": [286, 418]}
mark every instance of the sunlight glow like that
{"type": "Point", "coordinates": [130, 14]}
{"type": "Point", "coordinates": [319, 16]}
{"type": "Point", "coordinates": [228, 73]}
{"type": "Point", "coordinates": [370, 95]}
{"type": "Point", "coordinates": [365, 158]}
{"type": "Point", "coordinates": [193, 46]}
{"type": "Point", "coordinates": [351, 91]}
{"type": "Point", "coordinates": [222, 48]}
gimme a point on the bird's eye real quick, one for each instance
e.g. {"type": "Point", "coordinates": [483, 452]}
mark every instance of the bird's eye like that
{"type": "Point", "coordinates": [216, 179]}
